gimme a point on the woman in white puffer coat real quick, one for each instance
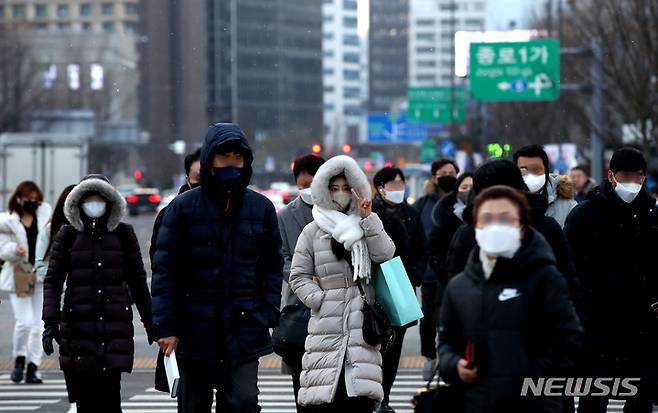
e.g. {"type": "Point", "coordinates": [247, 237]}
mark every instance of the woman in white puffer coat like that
{"type": "Point", "coordinates": [340, 370]}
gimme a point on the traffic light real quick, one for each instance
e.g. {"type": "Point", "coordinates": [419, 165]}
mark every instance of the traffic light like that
{"type": "Point", "coordinates": [138, 175]}
{"type": "Point", "coordinates": [316, 149]}
{"type": "Point", "coordinates": [347, 148]}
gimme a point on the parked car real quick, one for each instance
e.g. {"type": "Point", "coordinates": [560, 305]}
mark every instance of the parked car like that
{"type": "Point", "coordinates": [166, 200]}
{"type": "Point", "coordinates": [143, 200]}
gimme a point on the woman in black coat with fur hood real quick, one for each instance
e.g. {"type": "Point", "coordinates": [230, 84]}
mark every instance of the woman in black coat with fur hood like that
{"type": "Point", "coordinates": [98, 257]}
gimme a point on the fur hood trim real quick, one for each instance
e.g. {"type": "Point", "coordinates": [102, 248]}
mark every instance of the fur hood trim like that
{"type": "Point", "coordinates": [100, 185]}
{"type": "Point", "coordinates": [559, 187]}
{"type": "Point", "coordinates": [337, 165]}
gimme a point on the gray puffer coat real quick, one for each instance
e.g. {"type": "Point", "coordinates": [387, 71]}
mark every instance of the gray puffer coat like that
{"type": "Point", "coordinates": [325, 284]}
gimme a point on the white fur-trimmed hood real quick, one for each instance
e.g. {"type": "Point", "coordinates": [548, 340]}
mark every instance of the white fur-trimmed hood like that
{"type": "Point", "coordinates": [100, 185]}
{"type": "Point", "coordinates": [337, 165]}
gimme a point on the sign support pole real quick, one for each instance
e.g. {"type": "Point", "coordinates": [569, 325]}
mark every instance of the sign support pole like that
{"type": "Point", "coordinates": [596, 116]}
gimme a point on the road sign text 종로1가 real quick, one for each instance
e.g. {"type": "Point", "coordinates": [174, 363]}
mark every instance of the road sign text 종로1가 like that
{"type": "Point", "coordinates": [515, 70]}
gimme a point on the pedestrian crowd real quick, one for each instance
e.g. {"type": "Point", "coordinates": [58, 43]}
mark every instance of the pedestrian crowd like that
{"type": "Point", "coordinates": [522, 274]}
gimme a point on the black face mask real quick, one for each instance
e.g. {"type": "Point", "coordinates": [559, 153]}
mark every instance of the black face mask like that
{"type": "Point", "coordinates": [447, 183]}
{"type": "Point", "coordinates": [463, 197]}
{"type": "Point", "coordinates": [227, 178]}
{"type": "Point", "coordinates": [30, 207]}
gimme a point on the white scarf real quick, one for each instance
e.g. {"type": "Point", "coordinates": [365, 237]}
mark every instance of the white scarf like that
{"type": "Point", "coordinates": [346, 229]}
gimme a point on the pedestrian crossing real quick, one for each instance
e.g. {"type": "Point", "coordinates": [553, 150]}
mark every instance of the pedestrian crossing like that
{"type": "Point", "coordinates": [276, 395]}
{"type": "Point", "coordinates": [29, 397]}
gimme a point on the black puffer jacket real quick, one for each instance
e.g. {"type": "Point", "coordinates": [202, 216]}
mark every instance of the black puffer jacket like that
{"type": "Point", "coordinates": [217, 266]}
{"type": "Point", "coordinates": [102, 266]}
{"type": "Point", "coordinates": [521, 323]}
{"type": "Point", "coordinates": [402, 224]}
{"type": "Point", "coordinates": [464, 241]}
{"type": "Point", "coordinates": [446, 223]}
{"type": "Point", "coordinates": [615, 246]}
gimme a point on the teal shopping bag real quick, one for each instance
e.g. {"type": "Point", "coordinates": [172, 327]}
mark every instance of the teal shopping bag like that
{"type": "Point", "coordinates": [394, 292]}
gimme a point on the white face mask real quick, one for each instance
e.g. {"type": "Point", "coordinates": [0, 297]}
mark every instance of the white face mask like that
{"type": "Point", "coordinates": [458, 209]}
{"type": "Point", "coordinates": [342, 199]}
{"type": "Point", "coordinates": [535, 182]}
{"type": "Point", "coordinates": [627, 191]}
{"type": "Point", "coordinates": [395, 197]}
{"type": "Point", "coordinates": [499, 240]}
{"type": "Point", "coordinates": [94, 209]}
{"type": "Point", "coordinates": [306, 196]}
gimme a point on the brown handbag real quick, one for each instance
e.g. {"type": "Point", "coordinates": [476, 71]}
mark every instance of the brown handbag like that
{"type": "Point", "coordinates": [24, 279]}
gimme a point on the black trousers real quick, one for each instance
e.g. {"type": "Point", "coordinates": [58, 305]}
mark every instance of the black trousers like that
{"type": "Point", "coordinates": [342, 403]}
{"type": "Point", "coordinates": [296, 367]}
{"type": "Point", "coordinates": [98, 391]}
{"type": "Point", "coordinates": [429, 305]}
{"type": "Point", "coordinates": [237, 387]}
{"type": "Point", "coordinates": [391, 361]}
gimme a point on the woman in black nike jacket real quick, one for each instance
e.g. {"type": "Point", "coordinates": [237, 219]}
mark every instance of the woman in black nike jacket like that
{"type": "Point", "coordinates": [508, 316]}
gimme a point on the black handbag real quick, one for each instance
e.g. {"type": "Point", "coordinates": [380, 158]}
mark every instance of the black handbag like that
{"type": "Point", "coordinates": [376, 325]}
{"type": "Point", "coordinates": [289, 336]}
{"type": "Point", "coordinates": [437, 397]}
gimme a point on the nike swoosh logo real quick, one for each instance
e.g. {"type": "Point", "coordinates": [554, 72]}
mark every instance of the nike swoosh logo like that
{"type": "Point", "coordinates": [505, 296]}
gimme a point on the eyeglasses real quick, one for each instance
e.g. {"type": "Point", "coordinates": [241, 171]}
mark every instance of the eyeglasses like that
{"type": "Point", "coordinates": [486, 219]}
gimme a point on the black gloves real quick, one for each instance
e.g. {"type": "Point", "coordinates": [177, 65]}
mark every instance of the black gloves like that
{"type": "Point", "coordinates": [50, 333]}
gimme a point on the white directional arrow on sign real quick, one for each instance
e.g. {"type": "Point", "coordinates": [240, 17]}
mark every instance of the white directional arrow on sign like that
{"type": "Point", "coordinates": [504, 86]}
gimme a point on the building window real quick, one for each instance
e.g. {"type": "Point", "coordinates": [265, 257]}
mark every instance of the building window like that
{"type": "Point", "coordinates": [351, 74]}
{"type": "Point", "coordinates": [86, 27]}
{"type": "Point", "coordinates": [448, 7]}
{"type": "Point", "coordinates": [474, 22]}
{"type": "Point", "coordinates": [426, 63]}
{"type": "Point", "coordinates": [328, 106]}
{"type": "Point", "coordinates": [108, 27]}
{"type": "Point", "coordinates": [448, 22]}
{"type": "Point", "coordinates": [425, 22]}
{"type": "Point", "coordinates": [328, 18]}
{"type": "Point", "coordinates": [351, 40]}
{"type": "Point", "coordinates": [18, 11]}
{"type": "Point", "coordinates": [131, 9]}
{"type": "Point", "coordinates": [424, 50]}
{"type": "Point", "coordinates": [350, 22]}
{"type": "Point", "coordinates": [328, 53]}
{"type": "Point", "coordinates": [107, 9]}
{"type": "Point", "coordinates": [426, 78]}
{"type": "Point", "coordinates": [352, 110]}
{"type": "Point", "coordinates": [351, 92]}
{"type": "Point", "coordinates": [446, 50]}
{"type": "Point", "coordinates": [426, 36]}
{"type": "Point", "coordinates": [328, 71]}
{"type": "Point", "coordinates": [130, 27]}
{"type": "Point", "coordinates": [446, 78]}
{"type": "Point", "coordinates": [328, 1]}
{"type": "Point", "coordinates": [351, 58]}
{"type": "Point", "coordinates": [85, 10]}
{"type": "Point", "coordinates": [328, 36]}
{"type": "Point", "coordinates": [480, 6]}
{"type": "Point", "coordinates": [2, 11]}
{"type": "Point", "coordinates": [62, 11]}
{"type": "Point", "coordinates": [349, 4]}
{"type": "Point", "coordinates": [40, 10]}
{"type": "Point", "coordinates": [328, 89]}
{"type": "Point", "coordinates": [63, 27]}
{"type": "Point", "coordinates": [41, 27]}
{"type": "Point", "coordinates": [447, 35]}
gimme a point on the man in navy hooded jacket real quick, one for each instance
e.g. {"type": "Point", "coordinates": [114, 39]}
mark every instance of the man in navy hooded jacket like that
{"type": "Point", "coordinates": [217, 279]}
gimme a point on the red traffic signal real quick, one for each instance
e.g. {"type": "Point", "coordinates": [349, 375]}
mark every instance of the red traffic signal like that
{"type": "Point", "coordinates": [138, 175]}
{"type": "Point", "coordinates": [347, 148]}
{"type": "Point", "coordinates": [316, 149]}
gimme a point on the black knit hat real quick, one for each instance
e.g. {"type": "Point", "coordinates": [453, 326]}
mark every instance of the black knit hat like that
{"type": "Point", "coordinates": [498, 172]}
{"type": "Point", "coordinates": [628, 159]}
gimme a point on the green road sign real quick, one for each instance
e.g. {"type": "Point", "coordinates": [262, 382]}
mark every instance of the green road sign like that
{"type": "Point", "coordinates": [432, 104]}
{"type": "Point", "coordinates": [515, 70]}
{"type": "Point", "coordinates": [428, 150]}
